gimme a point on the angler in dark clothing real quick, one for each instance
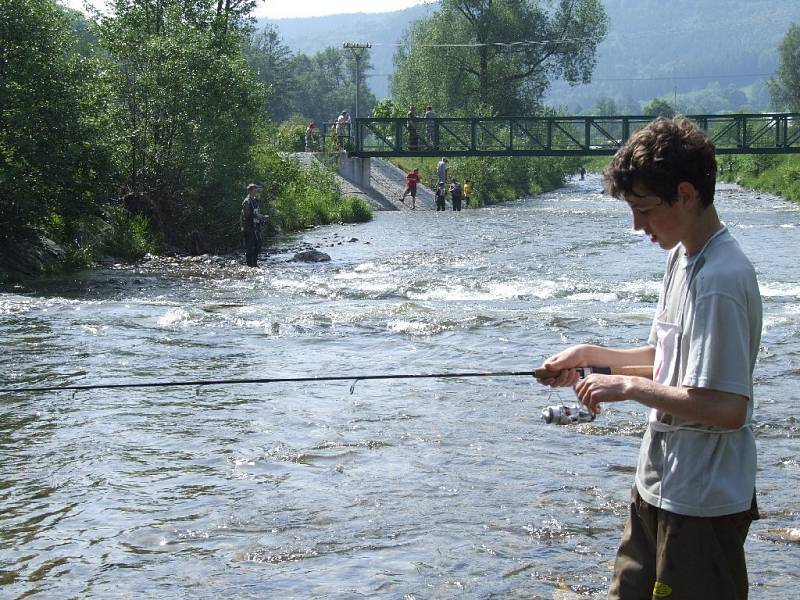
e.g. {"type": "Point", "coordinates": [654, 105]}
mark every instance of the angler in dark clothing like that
{"type": "Point", "coordinates": [455, 195]}
{"type": "Point", "coordinates": [251, 225]}
{"type": "Point", "coordinates": [441, 192]}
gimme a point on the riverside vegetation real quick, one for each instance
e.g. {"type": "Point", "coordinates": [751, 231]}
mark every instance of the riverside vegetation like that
{"type": "Point", "coordinates": [137, 131]}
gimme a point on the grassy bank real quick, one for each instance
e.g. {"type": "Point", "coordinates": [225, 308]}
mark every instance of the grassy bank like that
{"type": "Point", "coordinates": [293, 197]}
{"type": "Point", "coordinates": [774, 173]}
{"type": "Point", "coordinates": [498, 179]}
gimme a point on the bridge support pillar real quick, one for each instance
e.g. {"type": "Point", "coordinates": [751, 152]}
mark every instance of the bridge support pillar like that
{"type": "Point", "coordinates": [355, 169]}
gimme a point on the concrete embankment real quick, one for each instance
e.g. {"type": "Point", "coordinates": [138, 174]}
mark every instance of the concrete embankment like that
{"type": "Point", "coordinates": [386, 181]}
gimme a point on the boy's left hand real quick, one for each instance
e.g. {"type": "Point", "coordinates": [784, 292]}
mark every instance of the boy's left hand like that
{"type": "Point", "coordinates": [594, 389]}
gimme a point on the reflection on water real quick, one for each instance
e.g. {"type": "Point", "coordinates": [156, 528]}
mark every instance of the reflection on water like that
{"type": "Point", "coordinates": [411, 488]}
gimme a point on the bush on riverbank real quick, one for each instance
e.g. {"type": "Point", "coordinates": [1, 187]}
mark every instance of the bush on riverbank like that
{"type": "Point", "coordinates": [296, 196]}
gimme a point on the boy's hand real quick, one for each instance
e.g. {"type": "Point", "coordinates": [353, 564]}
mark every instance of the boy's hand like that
{"type": "Point", "coordinates": [595, 389]}
{"type": "Point", "coordinates": [562, 366]}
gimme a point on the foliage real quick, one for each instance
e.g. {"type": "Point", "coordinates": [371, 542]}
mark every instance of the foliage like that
{"type": "Point", "coordinates": [186, 107]}
{"type": "Point", "coordinates": [784, 85]}
{"type": "Point", "coordinates": [291, 135]}
{"type": "Point", "coordinates": [53, 155]}
{"type": "Point", "coordinates": [296, 197]}
{"type": "Point", "coordinates": [510, 51]}
{"type": "Point", "coordinates": [318, 87]}
{"type": "Point", "coordinates": [606, 107]}
{"type": "Point", "coordinates": [659, 108]}
{"type": "Point", "coordinates": [354, 210]}
{"type": "Point", "coordinates": [272, 62]}
{"type": "Point", "coordinates": [778, 175]}
{"type": "Point", "coordinates": [129, 236]}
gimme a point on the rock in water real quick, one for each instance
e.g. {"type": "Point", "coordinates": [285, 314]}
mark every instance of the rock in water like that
{"type": "Point", "coordinates": [787, 536]}
{"type": "Point", "coordinates": [311, 256]}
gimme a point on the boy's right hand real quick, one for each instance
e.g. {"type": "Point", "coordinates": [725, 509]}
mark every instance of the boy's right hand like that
{"type": "Point", "coordinates": [563, 367]}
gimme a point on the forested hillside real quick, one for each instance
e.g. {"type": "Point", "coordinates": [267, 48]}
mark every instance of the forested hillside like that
{"type": "Point", "coordinates": [715, 54]}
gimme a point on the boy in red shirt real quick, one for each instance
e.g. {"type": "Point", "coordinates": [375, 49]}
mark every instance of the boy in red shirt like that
{"type": "Point", "coordinates": [412, 179]}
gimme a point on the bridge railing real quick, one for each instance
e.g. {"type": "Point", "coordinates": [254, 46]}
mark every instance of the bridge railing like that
{"type": "Point", "coordinates": [559, 136]}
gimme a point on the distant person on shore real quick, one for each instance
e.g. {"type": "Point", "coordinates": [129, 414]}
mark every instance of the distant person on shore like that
{"type": "Point", "coordinates": [441, 170]}
{"type": "Point", "coordinates": [441, 194]}
{"type": "Point", "coordinates": [455, 194]}
{"type": "Point", "coordinates": [467, 192]}
{"type": "Point", "coordinates": [310, 137]}
{"type": "Point", "coordinates": [583, 173]}
{"type": "Point", "coordinates": [412, 179]}
{"type": "Point", "coordinates": [342, 129]}
{"type": "Point", "coordinates": [251, 225]}
{"type": "Point", "coordinates": [413, 135]}
{"type": "Point", "coordinates": [430, 129]}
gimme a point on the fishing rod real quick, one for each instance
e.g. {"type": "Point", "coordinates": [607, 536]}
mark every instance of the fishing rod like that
{"type": "Point", "coordinates": [639, 371]}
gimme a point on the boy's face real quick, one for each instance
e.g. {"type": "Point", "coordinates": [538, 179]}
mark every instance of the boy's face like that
{"type": "Point", "coordinates": [665, 224]}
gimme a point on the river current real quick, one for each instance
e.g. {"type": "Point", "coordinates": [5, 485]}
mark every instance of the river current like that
{"type": "Point", "coordinates": [418, 488]}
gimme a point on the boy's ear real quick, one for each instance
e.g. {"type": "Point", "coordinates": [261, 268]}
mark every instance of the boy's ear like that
{"type": "Point", "coordinates": [688, 194]}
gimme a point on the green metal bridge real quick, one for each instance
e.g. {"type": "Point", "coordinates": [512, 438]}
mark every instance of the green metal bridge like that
{"type": "Point", "coordinates": [777, 133]}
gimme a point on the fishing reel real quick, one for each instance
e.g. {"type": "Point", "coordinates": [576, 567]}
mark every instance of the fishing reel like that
{"type": "Point", "coordinates": [567, 415]}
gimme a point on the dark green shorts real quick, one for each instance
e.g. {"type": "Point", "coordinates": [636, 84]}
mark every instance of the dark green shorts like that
{"type": "Point", "coordinates": [666, 555]}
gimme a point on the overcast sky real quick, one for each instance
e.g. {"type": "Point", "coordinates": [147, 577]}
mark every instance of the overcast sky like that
{"type": "Point", "coordinates": [285, 9]}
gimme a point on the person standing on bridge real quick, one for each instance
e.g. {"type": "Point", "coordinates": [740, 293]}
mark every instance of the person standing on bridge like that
{"type": "Point", "coordinates": [430, 129]}
{"type": "Point", "coordinates": [310, 136]}
{"type": "Point", "coordinates": [412, 179]}
{"type": "Point", "coordinates": [693, 498]}
{"type": "Point", "coordinates": [413, 135]}
{"type": "Point", "coordinates": [251, 225]}
{"type": "Point", "coordinates": [342, 129]}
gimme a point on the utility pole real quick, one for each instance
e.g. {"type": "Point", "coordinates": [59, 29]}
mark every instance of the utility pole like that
{"type": "Point", "coordinates": [358, 51]}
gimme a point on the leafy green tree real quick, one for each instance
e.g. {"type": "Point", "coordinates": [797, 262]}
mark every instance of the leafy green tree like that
{"type": "Point", "coordinates": [606, 106]}
{"type": "Point", "coordinates": [784, 85]}
{"type": "Point", "coordinates": [53, 162]}
{"type": "Point", "coordinates": [326, 84]}
{"type": "Point", "coordinates": [188, 109]}
{"type": "Point", "coordinates": [497, 56]}
{"type": "Point", "coordinates": [659, 108]}
{"type": "Point", "coordinates": [272, 61]}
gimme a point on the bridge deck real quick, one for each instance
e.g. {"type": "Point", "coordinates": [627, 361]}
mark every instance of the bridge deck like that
{"type": "Point", "coordinates": [777, 133]}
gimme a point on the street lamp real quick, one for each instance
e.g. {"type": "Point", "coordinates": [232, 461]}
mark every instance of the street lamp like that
{"type": "Point", "coordinates": [358, 53]}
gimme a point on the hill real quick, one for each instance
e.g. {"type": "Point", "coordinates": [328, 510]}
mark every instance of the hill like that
{"type": "Point", "coordinates": [703, 53]}
{"type": "Point", "coordinates": [382, 30]}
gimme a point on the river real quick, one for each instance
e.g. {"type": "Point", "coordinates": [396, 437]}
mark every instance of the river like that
{"type": "Point", "coordinates": [420, 488]}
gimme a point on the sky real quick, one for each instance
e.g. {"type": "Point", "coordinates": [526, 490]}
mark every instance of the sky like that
{"type": "Point", "coordinates": [285, 9]}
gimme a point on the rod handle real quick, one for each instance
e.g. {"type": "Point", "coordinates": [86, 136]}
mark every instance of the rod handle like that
{"type": "Point", "coordinates": [632, 371]}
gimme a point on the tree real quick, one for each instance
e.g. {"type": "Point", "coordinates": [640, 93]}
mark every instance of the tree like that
{"type": "Point", "coordinates": [605, 106]}
{"type": "Point", "coordinates": [187, 108]}
{"type": "Point", "coordinates": [53, 162]}
{"type": "Point", "coordinates": [272, 61]}
{"type": "Point", "coordinates": [659, 108]}
{"type": "Point", "coordinates": [784, 85]}
{"type": "Point", "coordinates": [497, 56]}
{"type": "Point", "coordinates": [326, 84]}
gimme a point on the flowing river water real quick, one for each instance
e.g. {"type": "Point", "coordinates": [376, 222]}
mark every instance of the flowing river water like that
{"type": "Point", "coordinates": [422, 488]}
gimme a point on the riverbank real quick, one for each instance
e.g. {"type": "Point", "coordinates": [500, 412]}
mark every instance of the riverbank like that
{"type": "Point", "coordinates": [774, 174]}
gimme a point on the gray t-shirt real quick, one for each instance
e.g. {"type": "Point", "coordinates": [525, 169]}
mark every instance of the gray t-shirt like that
{"type": "Point", "coordinates": [688, 468]}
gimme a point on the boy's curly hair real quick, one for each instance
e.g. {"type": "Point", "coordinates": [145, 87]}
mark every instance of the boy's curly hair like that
{"type": "Point", "coordinates": [662, 155]}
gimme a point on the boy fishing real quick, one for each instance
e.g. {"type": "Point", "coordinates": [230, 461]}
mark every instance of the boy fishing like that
{"type": "Point", "coordinates": [693, 498]}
